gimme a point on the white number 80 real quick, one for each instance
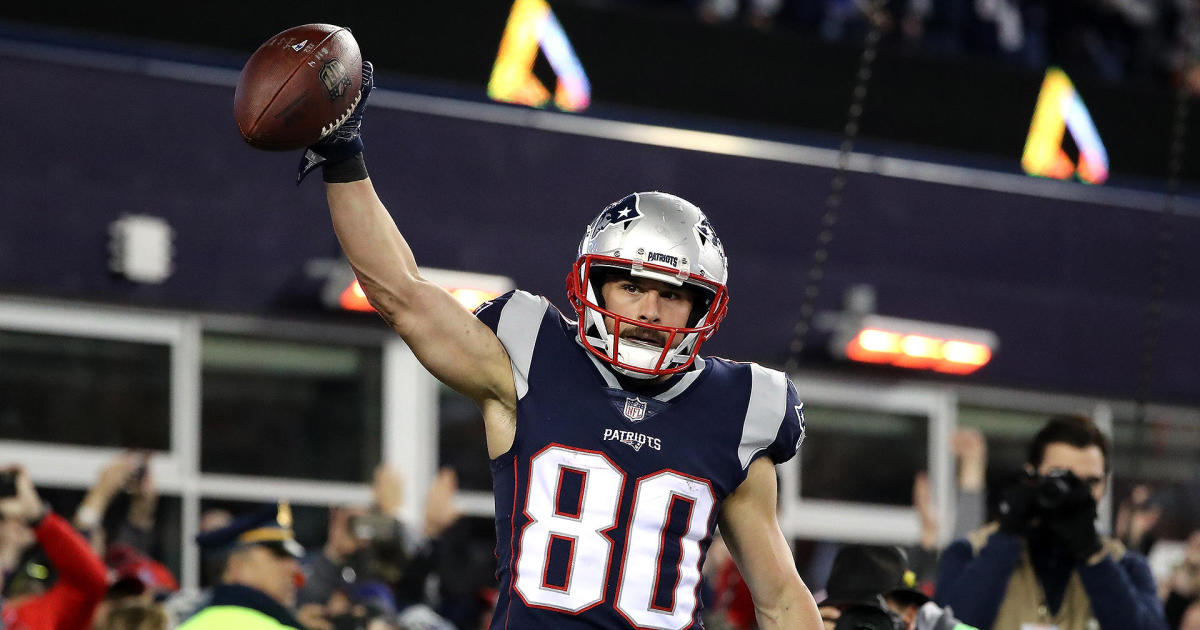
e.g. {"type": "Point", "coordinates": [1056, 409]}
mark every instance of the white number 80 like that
{"type": "Point", "coordinates": [643, 597]}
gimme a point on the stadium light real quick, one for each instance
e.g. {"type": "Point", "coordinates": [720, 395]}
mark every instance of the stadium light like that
{"type": "Point", "coordinates": [915, 344]}
{"type": "Point", "coordinates": [342, 291]}
{"type": "Point", "coordinates": [861, 335]}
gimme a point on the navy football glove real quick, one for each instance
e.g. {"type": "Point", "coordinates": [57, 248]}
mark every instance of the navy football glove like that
{"type": "Point", "coordinates": [344, 142]}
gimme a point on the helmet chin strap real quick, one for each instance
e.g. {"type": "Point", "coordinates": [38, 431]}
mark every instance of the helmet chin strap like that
{"type": "Point", "coordinates": [641, 357]}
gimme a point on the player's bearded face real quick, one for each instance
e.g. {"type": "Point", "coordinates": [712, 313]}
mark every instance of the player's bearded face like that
{"type": "Point", "coordinates": [649, 301]}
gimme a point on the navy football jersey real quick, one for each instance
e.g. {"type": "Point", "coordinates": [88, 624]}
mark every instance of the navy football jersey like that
{"type": "Point", "coordinates": [607, 501]}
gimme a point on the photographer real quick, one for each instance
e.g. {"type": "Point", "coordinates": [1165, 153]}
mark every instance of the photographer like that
{"type": "Point", "coordinates": [372, 545]}
{"type": "Point", "coordinates": [1043, 564]}
{"type": "Point", "coordinates": [70, 603]}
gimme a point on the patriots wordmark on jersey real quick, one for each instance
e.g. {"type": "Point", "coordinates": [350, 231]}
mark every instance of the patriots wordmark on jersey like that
{"type": "Point", "coordinates": [607, 501]}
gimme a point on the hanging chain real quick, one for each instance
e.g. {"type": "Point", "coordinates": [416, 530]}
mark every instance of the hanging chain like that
{"type": "Point", "coordinates": [1162, 267]}
{"type": "Point", "coordinates": [837, 185]}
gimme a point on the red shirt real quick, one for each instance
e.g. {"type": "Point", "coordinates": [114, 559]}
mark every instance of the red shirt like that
{"type": "Point", "coordinates": [82, 582]}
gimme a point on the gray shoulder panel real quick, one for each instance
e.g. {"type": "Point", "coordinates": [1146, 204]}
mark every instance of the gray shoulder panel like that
{"type": "Point", "coordinates": [518, 330]}
{"type": "Point", "coordinates": [764, 414]}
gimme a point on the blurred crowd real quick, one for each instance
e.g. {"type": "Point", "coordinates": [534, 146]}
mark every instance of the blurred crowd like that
{"type": "Point", "coordinates": [374, 571]}
{"type": "Point", "coordinates": [1039, 539]}
{"type": "Point", "coordinates": [1119, 41]}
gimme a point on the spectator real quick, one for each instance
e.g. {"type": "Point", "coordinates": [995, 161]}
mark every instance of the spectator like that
{"type": "Point", "coordinates": [114, 477]}
{"type": "Point", "coordinates": [970, 451]}
{"type": "Point", "coordinates": [872, 587]}
{"type": "Point", "coordinates": [1191, 617]}
{"type": "Point", "coordinates": [137, 576]}
{"type": "Point", "coordinates": [1044, 562]}
{"type": "Point", "coordinates": [258, 585]}
{"type": "Point", "coordinates": [1137, 517]}
{"type": "Point", "coordinates": [373, 544]}
{"type": "Point", "coordinates": [1183, 586]}
{"type": "Point", "coordinates": [185, 603]}
{"type": "Point", "coordinates": [135, 616]}
{"type": "Point", "coordinates": [71, 602]}
{"type": "Point", "coordinates": [732, 606]}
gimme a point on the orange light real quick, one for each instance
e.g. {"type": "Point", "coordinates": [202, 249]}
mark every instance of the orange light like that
{"type": "Point", "coordinates": [921, 347]}
{"type": "Point", "coordinates": [472, 298]}
{"type": "Point", "coordinates": [951, 356]}
{"type": "Point", "coordinates": [873, 346]}
{"type": "Point", "coordinates": [966, 353]}
{"type": "Point", "coordinates": [353, 298]}
{"type": "Point", "coordinates": [879, 340]}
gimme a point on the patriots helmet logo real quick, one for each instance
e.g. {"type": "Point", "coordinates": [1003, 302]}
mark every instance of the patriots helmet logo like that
{"type": "Point", "coordinates": [621, 213]}
{"type": "Point", "coordinates": [705, 231]}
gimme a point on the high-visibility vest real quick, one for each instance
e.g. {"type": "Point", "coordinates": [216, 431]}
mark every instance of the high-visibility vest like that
{"type": "Point", "coordinates": [232, 618]}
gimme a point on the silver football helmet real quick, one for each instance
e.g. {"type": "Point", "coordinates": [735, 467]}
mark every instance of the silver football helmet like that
{"type": "Point", "coordinates": [661, 237]}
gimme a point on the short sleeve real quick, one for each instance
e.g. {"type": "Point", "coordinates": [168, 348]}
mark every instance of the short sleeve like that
{"type": "Point", "coordinates": [516, 318]}
{"type": "Point", "coordinates": [791, 430]}
{"type": "Point", "coordinates": [774, 422]}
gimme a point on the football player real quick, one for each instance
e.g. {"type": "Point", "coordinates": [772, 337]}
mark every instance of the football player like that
{"type": "Point", "coordinates": [615, 447]}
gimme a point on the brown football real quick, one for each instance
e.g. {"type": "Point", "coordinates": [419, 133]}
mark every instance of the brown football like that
{"type": "Point", "coordinates": [298, 86]}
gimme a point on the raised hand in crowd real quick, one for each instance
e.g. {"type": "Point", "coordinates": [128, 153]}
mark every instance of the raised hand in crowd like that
{"type": "Point", "coordinates": [441, 505]}
{"type": "Point", "coordinates": [112, 479]}
{"type": "Point", "coordinates": [926, 511]}
{"type": "Point", "coordinates": [1137, 517]}
{"type": "Point", "coordinates": [970, 449]}
{"type": "Point", "coordinates": [388, 490]}
{"type": "Point", "coordinates": [82, 581]}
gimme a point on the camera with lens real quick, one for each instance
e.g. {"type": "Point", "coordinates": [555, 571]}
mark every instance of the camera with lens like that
{"type": "Point", "coordinates": [383, 553]}
{"type": "Point", "coordinates": [1052, 489]}
{"type": "Point", "coordinates": [8, 483]}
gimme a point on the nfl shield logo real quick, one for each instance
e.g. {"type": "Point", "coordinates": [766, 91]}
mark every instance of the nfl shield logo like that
{"type": "Point", "coordinates": [635, 409]}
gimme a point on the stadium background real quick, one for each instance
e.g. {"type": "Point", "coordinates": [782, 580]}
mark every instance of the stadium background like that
{"type": "Point", "coordinates": [251, 387]}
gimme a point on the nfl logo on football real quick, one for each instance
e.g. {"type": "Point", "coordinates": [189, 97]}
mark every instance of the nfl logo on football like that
{"type": "Point", "coordinates": [635, 409]}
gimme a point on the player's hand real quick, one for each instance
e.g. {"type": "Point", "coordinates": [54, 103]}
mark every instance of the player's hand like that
{"type": "Point", "coordinates": [344, 142]}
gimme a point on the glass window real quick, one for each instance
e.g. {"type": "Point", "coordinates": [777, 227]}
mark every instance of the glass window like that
{"type": "Point", "coordinates": [93, 392]}
{"type": "Point", "coordinates": [861, 456]}
{"type": "Point", "coordinates": [287, 409]}
{"type": "Point", "coordinates": [461, 441]}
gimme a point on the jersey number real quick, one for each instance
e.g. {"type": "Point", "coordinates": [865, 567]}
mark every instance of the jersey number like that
{"type": "Point", "coordinates": [659, 571]}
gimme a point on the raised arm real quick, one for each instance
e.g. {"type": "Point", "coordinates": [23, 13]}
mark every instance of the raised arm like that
{"type": "Point", "coordinates": [448, 340]}
{"type": "Point", "coordinates": [751, 531]}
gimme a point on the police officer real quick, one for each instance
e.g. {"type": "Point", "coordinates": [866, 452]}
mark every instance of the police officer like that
{"type": "Point", "coordinates": [261, 575]}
